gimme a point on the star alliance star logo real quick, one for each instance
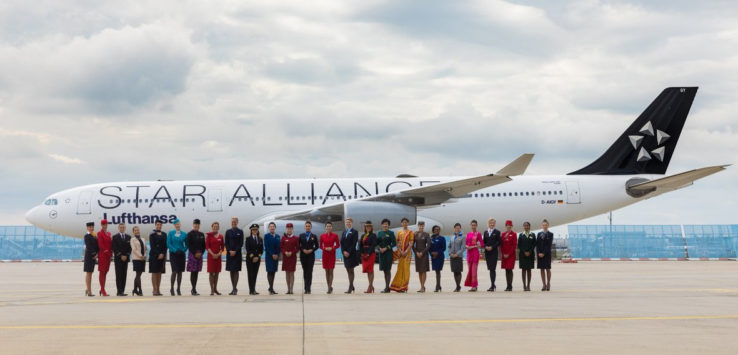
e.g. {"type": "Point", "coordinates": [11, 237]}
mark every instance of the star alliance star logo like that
{"type": "Point", "coordinates": [647, 130]}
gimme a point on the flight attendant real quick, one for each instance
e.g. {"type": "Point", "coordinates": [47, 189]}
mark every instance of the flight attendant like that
{"type": "Point", "coordinates": [195, 250]}
{"type": "Point", "coordinates": [308, 245]}
{"type": "Point", "coordinates": [437, 254]}
{"type": "Point", "coordinates": [329, 244]}
{"type": "Point", "coordinates": [367, 244]}
{"type": "Point", "coordinates": [215, 245]}
{"type": "Point", "coordinates": [349, 246]}
{"type": "Point", "coordinates": [456, 255]}
{"type": "Point", "coordinates": [543, 248]}
{"type": "Point", "coordinates": [509, 242]}
{"type": "Point", "coordinates": [157, 256]}
{"type": "Point", "coordinates": [421, 245]}
{"type": "Point", "coordinates": [138, 257]}
{"type": "Point", "coordinates": [254, 248]}
{"type": "Point", "coordinates": [233, 243]}
{"type": "Point", "coordinates": [105, 242]}
{"type": "Point", "coordinates": [91, 251]}
{"type": "Point", "coordinates": [122, 254]}
{"type": "Point", "coordinates": [386, 242]}
{"type": "Point", "coordinates": [491, 251]}
{"type": "Point", "coordinates": [271, 255]}
{"type": "Point", "coordinates": [526, 256]}
{"type": "Point", "coordinates": [177, 245]}
{"type": "Point", "coordinates": [473, 244]}
{"type": "Point", "coordinates": [404, 255]}
{"type": "Point", "coordinates": [289, 245]}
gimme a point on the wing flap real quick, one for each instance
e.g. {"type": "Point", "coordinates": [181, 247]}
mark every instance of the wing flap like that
{"type": "Point", "coordinates": [676, 181]}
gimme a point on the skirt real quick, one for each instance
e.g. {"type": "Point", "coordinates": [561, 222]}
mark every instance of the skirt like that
{"type": "Point", "coordinates": [233, 263]}
{"type": "Point", "coordinates": [367, 263]}
{"type": "Point", "coordinates": [544, 262]}
{"type": "Point", "coordinates": [271, 264]}
{"type": "Point", "coordinates": [103, 263]}
{"type": "Point", "coordinates": [422, 264]}
{"type": "Point", "coordinates": [194, 264]}
{"type": "Point", "coordinates": [177, 261]}
{"type": "Point", "coordinates": [490, 257]}
{"type": "Point", "coordinates": [289, 263]}
{"type": "Point", "coordinates": [352, 261]}
{"type": "Point", "coordinates": [89, 265]}
{"type": "Point", "coordinates": [457, 264]}
{"type": "Point", "coordinates": [385, 260]}
{"type": "Point", "coordinates": [329, 259]}
{"type": "Point", "coordinates": [214, 264]}
{"type": "Point", "coordinates": [139, 265]}
{"type": "Point", "coordinates": [157, 266]}
{"type": "Point", "coordinates": [526, 262]}
{"type": "Point", "coordinates": [437, 263]}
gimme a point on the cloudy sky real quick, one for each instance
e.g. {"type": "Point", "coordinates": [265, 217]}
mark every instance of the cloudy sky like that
{"type": "Point", "coordinates": [93, 91]}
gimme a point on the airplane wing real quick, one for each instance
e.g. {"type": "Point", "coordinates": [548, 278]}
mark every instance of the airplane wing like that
{"type": "Point", "coordinates": [673, 182]}
{"type": "Point", "coordinates": [416, 196]}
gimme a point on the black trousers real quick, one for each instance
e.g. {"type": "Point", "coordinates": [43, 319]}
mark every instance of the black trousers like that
{"type": "Point", "coordinates": [252, 270]}
{"type": "Point", "coordinates": [307, 261]}
{"type": "Point", "coordinates": [121, 272]}
{"type": "Point", "coordinates": [491, 258]}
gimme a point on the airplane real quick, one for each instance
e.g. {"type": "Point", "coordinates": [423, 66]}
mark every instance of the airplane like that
{"type": "Point", "coordinates": [631, 170]}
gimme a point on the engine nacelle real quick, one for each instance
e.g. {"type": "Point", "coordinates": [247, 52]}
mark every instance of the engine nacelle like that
{"type": "Point", "coordinates": [362, 211]}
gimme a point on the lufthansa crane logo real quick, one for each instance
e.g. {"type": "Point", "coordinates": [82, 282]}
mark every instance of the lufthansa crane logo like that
{"type": "Point", "coordinates": [643, 154]}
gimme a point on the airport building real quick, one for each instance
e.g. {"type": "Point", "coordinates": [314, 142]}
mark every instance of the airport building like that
{"type": "Point", "coordinates": [582, 242]}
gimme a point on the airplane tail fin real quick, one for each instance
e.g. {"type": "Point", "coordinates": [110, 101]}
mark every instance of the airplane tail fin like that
{"type": "Point", "coordinates": [647, 145]}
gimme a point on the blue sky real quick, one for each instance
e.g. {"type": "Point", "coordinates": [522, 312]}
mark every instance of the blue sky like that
{"type": "Point", "coordinates": [103, 90]}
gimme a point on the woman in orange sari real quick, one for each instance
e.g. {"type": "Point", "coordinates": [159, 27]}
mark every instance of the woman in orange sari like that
{"type": "Point", "coordinates": [403, 256]}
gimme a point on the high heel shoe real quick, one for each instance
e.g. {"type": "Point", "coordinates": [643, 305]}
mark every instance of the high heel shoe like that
{"type": "Point", "coordinates": [171, 291]}
{"type": "Point", "coordinates": [386, 290]}
{"type": "Point", "coordinates": [457, 289]}
{"type": "Point", "coordinates": [438, 289]}
{"type": "Point", "coordinates": [350, 290]}
{"type": "Point", "coordinates": [103, 293]}
{"type": "Point", "coordinates": [330, 290]}
{"type": "Point", "coordinates": [194, 293]}
{"type": "Point", "coordinates": [89, 294]}
{"type": "Point", "coordinates": [179, 293]}
{"type": "Point", "coordinates": [369, 290]}
{"type": "Point", "coordinates": [217, 293]}
{"type": "Point", "coordinates": [544, 288]}
{"type": "Point", "coordinates": [422, 290]}
{"type": "Point", "coordinates": [548, 287]}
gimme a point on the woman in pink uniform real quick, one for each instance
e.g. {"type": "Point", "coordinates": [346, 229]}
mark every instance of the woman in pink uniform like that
{"type": "Point", "coordinates": [474, 241]}
{"type": "Point", "coordinates": [328, 244]}
{"type": "Point", "coordinates": [507, 249]}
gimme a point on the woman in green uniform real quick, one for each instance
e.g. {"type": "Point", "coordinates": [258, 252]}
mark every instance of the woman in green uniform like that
{"type": "Point", "coordinates": [386, 241]}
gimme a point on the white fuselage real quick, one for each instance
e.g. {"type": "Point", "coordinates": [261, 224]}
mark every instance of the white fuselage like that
{"type": "Point", "coordinates": [561, 199]}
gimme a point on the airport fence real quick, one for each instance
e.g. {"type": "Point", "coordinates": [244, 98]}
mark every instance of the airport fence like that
{"type": "Point", "coordinates": [653, 241]}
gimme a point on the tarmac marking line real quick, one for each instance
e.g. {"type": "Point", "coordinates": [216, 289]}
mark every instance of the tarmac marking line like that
{"type": "Point", "coordinates": [343, 323]}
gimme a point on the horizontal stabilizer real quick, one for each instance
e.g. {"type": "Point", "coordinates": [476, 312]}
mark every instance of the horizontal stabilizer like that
{"type": "Point", "coordinates": [673, 182]}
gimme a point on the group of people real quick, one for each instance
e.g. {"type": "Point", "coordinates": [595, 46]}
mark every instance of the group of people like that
{"type": "Point", "coordinates": [365, 248]}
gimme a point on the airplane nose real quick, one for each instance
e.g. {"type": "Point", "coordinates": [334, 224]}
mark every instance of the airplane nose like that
{"type": "Point", "coordinates": [32, 216]}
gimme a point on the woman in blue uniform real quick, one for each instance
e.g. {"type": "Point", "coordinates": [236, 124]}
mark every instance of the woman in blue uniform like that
{"type": "Point", "coordinates": [233, 244]}
{"type": "Point", "coordinates": [271, 255]}
{"type": "Point", "coordinates": [437, 254]}
{"type": "Point", "coordinates": [91, 250]}
{"type": "Point", "coordinates": [176, 243]}
{"type": "Point", "coordinates": [543, 249]}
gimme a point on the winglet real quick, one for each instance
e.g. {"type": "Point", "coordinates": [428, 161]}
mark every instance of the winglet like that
{"type": "Point", "coordinates": [517, 167]}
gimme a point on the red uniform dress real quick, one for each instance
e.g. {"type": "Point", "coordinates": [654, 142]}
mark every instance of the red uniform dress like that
{"type": "Point", "coordinates": [508, 245]}
{"type": "Point", "coordinates": [105, 242]}
{"type": "Point", "coordinates": [214, 242]}
{"type": "Point", "coordinates": [329, 257]}
{"type": "Point", "coordinates": [289, 244]}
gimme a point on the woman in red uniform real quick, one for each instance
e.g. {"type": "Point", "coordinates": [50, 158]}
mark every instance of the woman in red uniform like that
{"type": "Point", "coordinates": [328, 244]}
{"type": "Point", "coordinates": [105, 243]}
{"type": "Point", "coordinates": [289, 245]}
{"type": "Point", "coordinates": [507, 249]}
{"type": "Point", "coordinates": [367, 244]}
{"type": "Point", "coordinates": [214, 244]}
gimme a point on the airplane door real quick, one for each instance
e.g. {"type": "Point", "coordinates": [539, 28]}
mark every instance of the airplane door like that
{"type": "Point", "coordinates": [572, 192]}
{"type": "Point", "coordinates": [215, 201]}
{"type": "Point", "coordinates": [84, 201]}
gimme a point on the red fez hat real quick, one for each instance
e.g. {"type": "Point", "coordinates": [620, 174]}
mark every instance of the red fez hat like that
{"type": "Point", "coordinates": [104, 221]}
{"type": "Point", "coordinates": [508, 223]}
{"type": "Point", "coordinates": [289, 225]}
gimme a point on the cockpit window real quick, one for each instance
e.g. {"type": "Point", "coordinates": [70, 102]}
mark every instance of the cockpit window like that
{"type": "Point", "coordinates": [51, 202]}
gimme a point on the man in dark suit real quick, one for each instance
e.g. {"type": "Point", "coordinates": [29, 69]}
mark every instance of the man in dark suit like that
{"type": "Point", "coordinates": [122, 253]}
{"type": "Point", "coordinates": [254, 248]}
{"type": "Point", "coordinates": [308, 245]}
{"type": "Point", "coordinates": [492, 242]}
{"type": "Point", "coordinates": [349, 247]}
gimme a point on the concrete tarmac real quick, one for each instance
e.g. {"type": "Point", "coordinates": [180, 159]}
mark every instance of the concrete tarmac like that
{"type": "Point", "coordinates": [593, 307]}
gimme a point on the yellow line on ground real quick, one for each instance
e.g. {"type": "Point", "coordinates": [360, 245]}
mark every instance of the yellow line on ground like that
{"type": "Point", "coordinates": [417, 322]}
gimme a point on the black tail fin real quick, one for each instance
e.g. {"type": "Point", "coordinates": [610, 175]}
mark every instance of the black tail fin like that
{"type": "Point", "coordinates": [647, 145]}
